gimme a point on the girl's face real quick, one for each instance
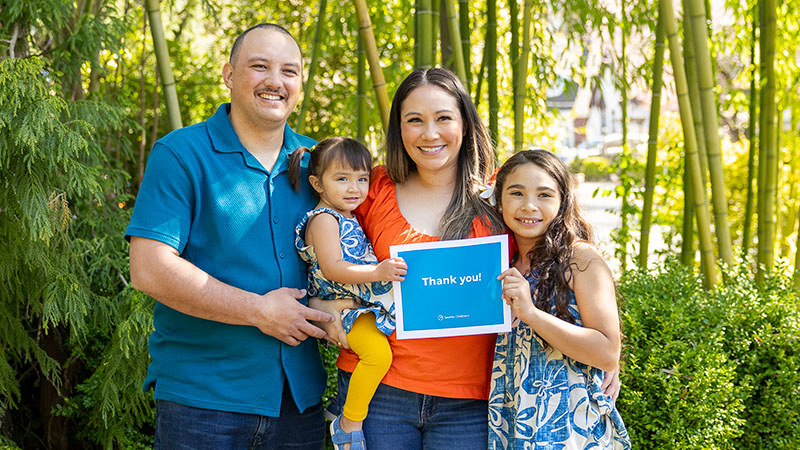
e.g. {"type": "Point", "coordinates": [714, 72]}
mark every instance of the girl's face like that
{"type": "Point", "coordinates": [530, 201]}
{"type": "Point", "coordinates": [341, 187]}
{"type": "Point", "coordinates": [432, 129]}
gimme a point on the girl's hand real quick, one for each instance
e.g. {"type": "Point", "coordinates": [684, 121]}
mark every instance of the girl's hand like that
{"type": "Point", "coordinates": [517, 293]}
{"type": "Point", "coordinates": [611, 384]}
{"type": "Point", "coordinates": [392, 269]}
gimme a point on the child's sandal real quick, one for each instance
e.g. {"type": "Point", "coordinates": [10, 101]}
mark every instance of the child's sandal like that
{"type": "Point", "coordinates": [339, 437]}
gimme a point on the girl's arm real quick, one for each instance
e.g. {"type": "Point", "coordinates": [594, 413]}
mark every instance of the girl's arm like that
{"type": "Point", "coordinates": [323, 233]}
{"type": "Point", "coordinates": [597, 342]}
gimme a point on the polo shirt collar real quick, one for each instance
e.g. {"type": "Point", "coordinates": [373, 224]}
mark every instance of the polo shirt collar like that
{"type": "Point", "coordinates": [225, 140]}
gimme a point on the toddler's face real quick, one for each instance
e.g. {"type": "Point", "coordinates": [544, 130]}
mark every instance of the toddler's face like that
{"type": "Point", "coordinates": [341, 187]}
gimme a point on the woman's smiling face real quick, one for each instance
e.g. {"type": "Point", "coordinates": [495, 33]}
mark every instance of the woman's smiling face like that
{"type": "Point", "coordinates": [432, 129]}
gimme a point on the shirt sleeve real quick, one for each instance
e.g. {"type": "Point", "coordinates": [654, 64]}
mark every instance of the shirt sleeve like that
{"type": "Point", "coordinates": [164, 204]}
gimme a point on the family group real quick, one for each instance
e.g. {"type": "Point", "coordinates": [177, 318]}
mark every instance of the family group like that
{"type": "Point", "coordinates": [256, 242]}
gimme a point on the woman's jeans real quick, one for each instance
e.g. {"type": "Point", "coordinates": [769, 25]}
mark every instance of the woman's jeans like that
{"type": "Point", "coordinates": [183, 427]}
{"type": "Point", "coordinates": [403, 420]}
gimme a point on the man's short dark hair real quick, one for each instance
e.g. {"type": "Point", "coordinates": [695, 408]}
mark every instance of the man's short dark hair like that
{"type": "Point", "coordinates": [265, 26]}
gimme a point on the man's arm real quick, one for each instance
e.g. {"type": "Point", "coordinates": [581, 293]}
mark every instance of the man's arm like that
{"type": "Point", "coordinates": [160, 271]}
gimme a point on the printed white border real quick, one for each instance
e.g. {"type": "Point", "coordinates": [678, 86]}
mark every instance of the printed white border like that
{"type": "Point", "coordinates": [505, 327]}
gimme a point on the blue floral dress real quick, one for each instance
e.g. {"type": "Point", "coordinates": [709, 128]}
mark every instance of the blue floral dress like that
{"type": "Point", "coordinates": [541, 399]}
{"type": "Point", "coordinates": [373, 297]}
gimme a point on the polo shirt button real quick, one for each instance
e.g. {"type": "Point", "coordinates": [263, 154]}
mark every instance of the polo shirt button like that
{"type": "Point", "coordinates": [282, 255]}
{"type": "Point", "coordinates": [274, 219]}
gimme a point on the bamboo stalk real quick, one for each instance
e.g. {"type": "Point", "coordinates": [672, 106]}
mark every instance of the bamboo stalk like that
{"type": "Point", "coordinates": [687, 233]}
{"type": "Point", "coordinates": [795, 118]}
{"type": "Point", "coordinates": [466, 48]}
{"type": "Point", "coordinates": [140, 162]}
{"type": "Point", "coordinates": [455, 40]}
{"type": "Point", "coordinates": [791, 209]}
{"type": "Point", "coordinates": [312, 68]}
{"type": "Point", "coordinates": [435, 27]}
{"type": "Point", "coordinates": [752, 148]}
{"type": "Point", "coordinates": [690, 62]}
{"type": "Point", "coordinates": [777, 181]}
{"type": "Point", "coordinates": [513, 52]}
{"type": "Point", "coordinates": [711, 128]}
{"type": "Point", "coordinates": [164, 66]}
{"type": "Point", "coordinates": [154, 128]}
{"type": "Point", "coordinates": [520, 87]}
{"type": "Point", "coordinates": [375, 70]}
{"type": "Point", "coordinates": [762, 164]}
{"type": "Point", "coordinates": [624, 235]}
{"type": "Point", "coordinates": [479, 84]}
{"type": "Point", "coordinates": [361, 102]}
{"type": "Point", "coordinates": [491, 65]}
{"type": "Point", "coordinates": [425, 34]}
{"type": "Point", "coordinates": [417, 9]}
{"type": "Point", "coordinates": [443, 32]}
{"type": "Point", "coordinates": [690, 145]}
{"type": "Point", "coordinates": [767, 141]}
{"type": "Point", "coordinates": [652, 145]}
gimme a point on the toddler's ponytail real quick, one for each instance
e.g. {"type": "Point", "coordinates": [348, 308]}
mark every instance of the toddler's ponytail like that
{"type": "Point", "coordinates": [294, 166]}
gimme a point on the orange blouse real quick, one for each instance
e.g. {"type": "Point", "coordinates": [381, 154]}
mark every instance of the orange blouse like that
{"type": "Point", "coordinates": [455, 367]}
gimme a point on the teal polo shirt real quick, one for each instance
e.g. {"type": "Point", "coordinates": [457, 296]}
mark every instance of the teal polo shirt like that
{"type": "Point", "coordinates": [205, 195]}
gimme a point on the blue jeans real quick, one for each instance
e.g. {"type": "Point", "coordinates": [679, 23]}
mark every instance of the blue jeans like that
{"type": "Point", "coordinates": [403, 420]}
{"type": "Point", "coordinates": [184, 427]}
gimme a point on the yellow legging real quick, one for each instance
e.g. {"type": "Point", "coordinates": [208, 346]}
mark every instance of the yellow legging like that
{"type": "Point", "coordinates": [375, 357]}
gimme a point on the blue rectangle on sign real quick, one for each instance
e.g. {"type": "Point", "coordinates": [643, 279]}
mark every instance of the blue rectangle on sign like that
{"type": "Point", "coordinates": [451, 288]}
{"type": "Point", "coordinates": [460, 281]}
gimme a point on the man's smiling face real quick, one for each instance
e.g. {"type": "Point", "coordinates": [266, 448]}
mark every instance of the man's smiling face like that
{"type": "Point", "coordinates": [265, 77]}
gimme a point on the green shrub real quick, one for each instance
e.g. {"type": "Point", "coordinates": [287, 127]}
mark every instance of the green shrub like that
{"type": "Point", "coordinates": [594, 168]}
{"type": "Point", "coordinates": [711, 370]}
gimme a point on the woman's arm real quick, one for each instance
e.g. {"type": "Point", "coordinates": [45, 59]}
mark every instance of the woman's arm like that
{"type": "Point", "coordinates": [323, 233]}
{"type": "Point", "coordinates": [597, 342]}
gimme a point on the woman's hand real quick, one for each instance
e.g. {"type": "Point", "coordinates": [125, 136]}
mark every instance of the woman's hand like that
{"type": "Point", "coordinates": [611, 384]}
{"type": "Point", "coordinates": [335, 333]}
{"type": "Point", "coordinates": [517, 293]}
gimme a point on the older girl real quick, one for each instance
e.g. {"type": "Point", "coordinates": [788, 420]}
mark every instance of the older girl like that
{"type": "Point", "coordinates": [548, 372]}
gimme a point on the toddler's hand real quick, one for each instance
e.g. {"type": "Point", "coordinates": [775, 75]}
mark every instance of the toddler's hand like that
{"type": "Point", "coordinates": [392, 269]}
{"type": "Point", "coordinates": [517, 292]}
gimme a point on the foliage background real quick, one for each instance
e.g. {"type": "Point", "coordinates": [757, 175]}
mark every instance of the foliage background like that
{"type": "Point", "coordinates": [80, 106]}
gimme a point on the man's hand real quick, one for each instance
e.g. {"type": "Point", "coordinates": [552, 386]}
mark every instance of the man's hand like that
{"type": "Point", "coordinates": [286, 319]}
{"type": "Point", "coordinates": [334, 331]}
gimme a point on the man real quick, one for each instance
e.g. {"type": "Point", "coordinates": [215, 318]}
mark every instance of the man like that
{"type": "Point", "coordinates": [212, 240]}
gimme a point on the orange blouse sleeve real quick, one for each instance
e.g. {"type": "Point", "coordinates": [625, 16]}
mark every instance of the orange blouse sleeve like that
{"type": "Point", "coordinates": [378, 182]}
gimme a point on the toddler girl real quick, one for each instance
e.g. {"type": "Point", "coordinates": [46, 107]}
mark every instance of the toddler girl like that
{"type": "Point", "coordinates": [342, 264]}
{"type": "Point", "coordinates": [547, 375]}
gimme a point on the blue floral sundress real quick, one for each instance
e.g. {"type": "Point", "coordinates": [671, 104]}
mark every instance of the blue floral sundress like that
{"type": "Point", "coordinates": [373, 297]}
{"type": "Point", "coordinates": [541, 399]}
